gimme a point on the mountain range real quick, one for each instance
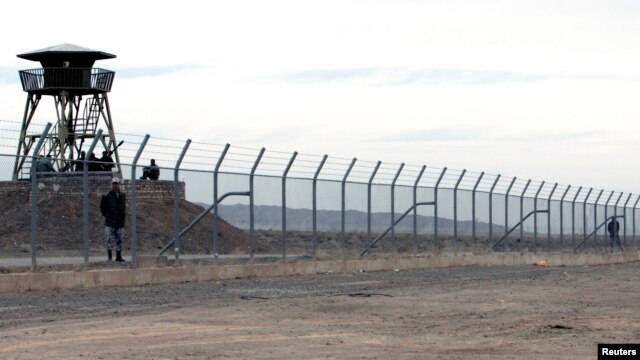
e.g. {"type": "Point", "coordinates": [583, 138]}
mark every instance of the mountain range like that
{"type": "Point", "coordinates": [270, 217]}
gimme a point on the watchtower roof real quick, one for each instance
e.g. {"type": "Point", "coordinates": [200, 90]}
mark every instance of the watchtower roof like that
{"type": "Point", "coordinates": [66, 50]}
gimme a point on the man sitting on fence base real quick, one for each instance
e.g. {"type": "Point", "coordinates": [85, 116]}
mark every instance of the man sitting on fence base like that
{"type": "Point", "coordinates": [614, 228]}
{"type": "Point", "coordinates": [151, 172]}
{"type": "Point", "coordinates": [45, 164]}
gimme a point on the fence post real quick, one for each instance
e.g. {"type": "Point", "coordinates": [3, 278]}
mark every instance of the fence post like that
{"type": "Point", "coordinates": [522, 211]}
{"type": "Point", "coordinates": [373, 175]}
{"type": "Point", "coordinates": [34, 195]}
{"type": "Point", "coordinates": [595, 219]}
{"type": "Point", "coordinates": [473, 207]}
{"type": "Point", "coordinates": [134, 204]}
{"type": "Point", "coordinates": [393, 207]}
{"type": "Point", "coordinates": [455, 208]}
{"type": "Point", "coordinates": [606, 214]}
{"type": "Point", "coordinates": [176, 201]}
{"type": "Point", "coordinates": [495, 182]}
{"type": "Point", "coordinates": [634, 222]}
{"type": "Point", "coordinates": [535, 218]}
{"type": "Point", "coordinates": [624, 209]}
{"type": "Point", "coordinates": [615, 212]}
{"type": "Point", "coordinates": [506, 212]}
{"type": "Point", "coordinates": [314, 238]}
{"type": "Point", "coordinates": [549, 213]}
{"type": "Point", "coordinates": [415, 211]}
{"type": "Point", "coordinates": [343, 208]}
{"type": "Point", "coordinates": [435, 209]}
{"type": "Point", "coordinates": [284, 204]}
{"type": "Point", "coordinates": [215, 201]}
{"type": "Point", "coordinates": [573, 219]}
{"type": "Point", "coordinates": [252, 241]}
{"type": "Point", "coordinates": [85, 196]}
{"type": "Point", "coordinates": [584, 217]}
{"type": "Point", "coordinates": [561, 217]}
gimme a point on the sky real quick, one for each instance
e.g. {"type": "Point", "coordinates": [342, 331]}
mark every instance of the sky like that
{"type": "Point", "coordinates": [536, 89]}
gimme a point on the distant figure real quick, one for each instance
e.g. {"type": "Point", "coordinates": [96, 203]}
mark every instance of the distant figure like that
{"type": "Point", "coordinates": [107, 161]}
{"type": "Point", "coordinates": [113, 208]}
{"type": "Point", "coordinates": [151, 172]}
{"type": "Point", "coordinates": [79, 162]}
{"type": "Point", "coordinates": [614, 228]}
{"type": "Point", "coordinates": [45, 164]}
{"type": "Point", "coordinates": [94, 163]}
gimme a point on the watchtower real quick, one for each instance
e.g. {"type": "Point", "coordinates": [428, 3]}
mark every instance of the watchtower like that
{"type": "Point", "coordinates": [67, 75]}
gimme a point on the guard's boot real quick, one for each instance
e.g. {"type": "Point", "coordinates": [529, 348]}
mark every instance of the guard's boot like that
{"type": "Point", "coordinates": [119, 257]}
{"type": "Point", "coordinates": [110, 254]}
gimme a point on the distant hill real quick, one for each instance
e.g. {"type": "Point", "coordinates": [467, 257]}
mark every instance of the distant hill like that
{"type": "Point", "coordinates": [270, 217]}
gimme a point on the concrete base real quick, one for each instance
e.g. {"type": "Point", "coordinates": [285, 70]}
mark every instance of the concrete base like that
{"type": "Point", "coordinates": [149, 271]}
{"type": "Point", "coordinates": [151, 261]}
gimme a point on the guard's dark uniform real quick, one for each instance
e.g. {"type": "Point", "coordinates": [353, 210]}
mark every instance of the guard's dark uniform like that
{"type": "Point", "coordinates": [113, 208]}
{"type": "Point", "coordinates": [614, 229]}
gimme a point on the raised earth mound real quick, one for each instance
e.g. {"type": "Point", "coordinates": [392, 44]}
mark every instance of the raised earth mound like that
{"type": "Point", "coordinates": [60, 230]}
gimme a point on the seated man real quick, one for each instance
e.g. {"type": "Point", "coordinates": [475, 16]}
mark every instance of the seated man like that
{"type": "Point", "coordinates": [45, 164]}
{"type": "Point", "coordinates": [106, 161]}
{"type": "Point", "coordinates": [79, 163]}
{"type": "Point", "coordinates": [94, 163]}
{"type": "Point", "coordinates": [151, 172]}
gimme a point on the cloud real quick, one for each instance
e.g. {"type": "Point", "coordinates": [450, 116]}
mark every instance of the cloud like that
{"type": "Point", "coordinates": [398, 77]}
{"type": "Point", "coordinates": [436, 76]}
{"type": "Point", "coordinates": [459, 76]}
{"type": "Point", "coordinates": [280, 135]}
{"type": "Point", "coordinates": [153, 71]}
{"type": "Point", "coordinates": [550, 137]}
{"type": "Point", "coordinates": [323, 75]}
{"type": "Point", "coordinates": [619, 78]}
{"type": "Point", "coordinates": [437, 134]}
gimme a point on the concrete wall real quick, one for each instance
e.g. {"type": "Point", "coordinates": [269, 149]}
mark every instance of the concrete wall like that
{"type": "Point", "coordinates": [70, 184]}
{"type": "Point", "coordinates": [20, 282]}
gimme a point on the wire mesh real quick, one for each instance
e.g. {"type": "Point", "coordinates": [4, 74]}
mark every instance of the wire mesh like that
{"type": "Point", "coordinates": [475, 211]}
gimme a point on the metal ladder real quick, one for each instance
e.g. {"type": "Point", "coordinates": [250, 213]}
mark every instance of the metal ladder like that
{"type": "Point", "coordinates": [91, 115]}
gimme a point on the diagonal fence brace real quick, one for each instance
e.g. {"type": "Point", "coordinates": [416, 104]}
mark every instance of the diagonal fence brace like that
{"type": "Point", "coordinates": [201, 216]}
{"type": "Point", "coordinates": [366, 250]}
{"type": "Point", "coordinates": [596, 230]}
{"type": "Point", "coordinates": [516, 226]}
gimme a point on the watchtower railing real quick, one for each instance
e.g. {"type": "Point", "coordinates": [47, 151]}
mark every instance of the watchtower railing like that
{"type": "Point", "coordinates": [93, 79]}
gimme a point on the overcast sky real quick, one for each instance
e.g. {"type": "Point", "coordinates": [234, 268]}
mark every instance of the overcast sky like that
{"type": "Point", "coordinates": [536, 89]}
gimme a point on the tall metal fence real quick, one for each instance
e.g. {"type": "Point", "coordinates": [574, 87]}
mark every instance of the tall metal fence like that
{"type": "Point", "coordinates": [294, 204]}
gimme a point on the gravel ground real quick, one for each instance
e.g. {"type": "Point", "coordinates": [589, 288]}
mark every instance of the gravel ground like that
{"type": "Point", "coordinates": [466, 312]}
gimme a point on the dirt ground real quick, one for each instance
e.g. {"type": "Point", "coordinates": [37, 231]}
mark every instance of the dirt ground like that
{"type": "Point", "coordinates": [454, 313]}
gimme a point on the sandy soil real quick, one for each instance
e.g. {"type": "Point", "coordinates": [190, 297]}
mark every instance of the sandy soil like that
{"type": "Point", "coordinates": [456, 313]}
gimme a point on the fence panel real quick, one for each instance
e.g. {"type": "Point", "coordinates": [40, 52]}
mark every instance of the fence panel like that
{"type": "Point", "coordinates": [472, 213]}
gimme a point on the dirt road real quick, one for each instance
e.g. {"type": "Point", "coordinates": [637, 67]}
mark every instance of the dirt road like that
{"type": "Point", "coordinates": [470, 312]}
